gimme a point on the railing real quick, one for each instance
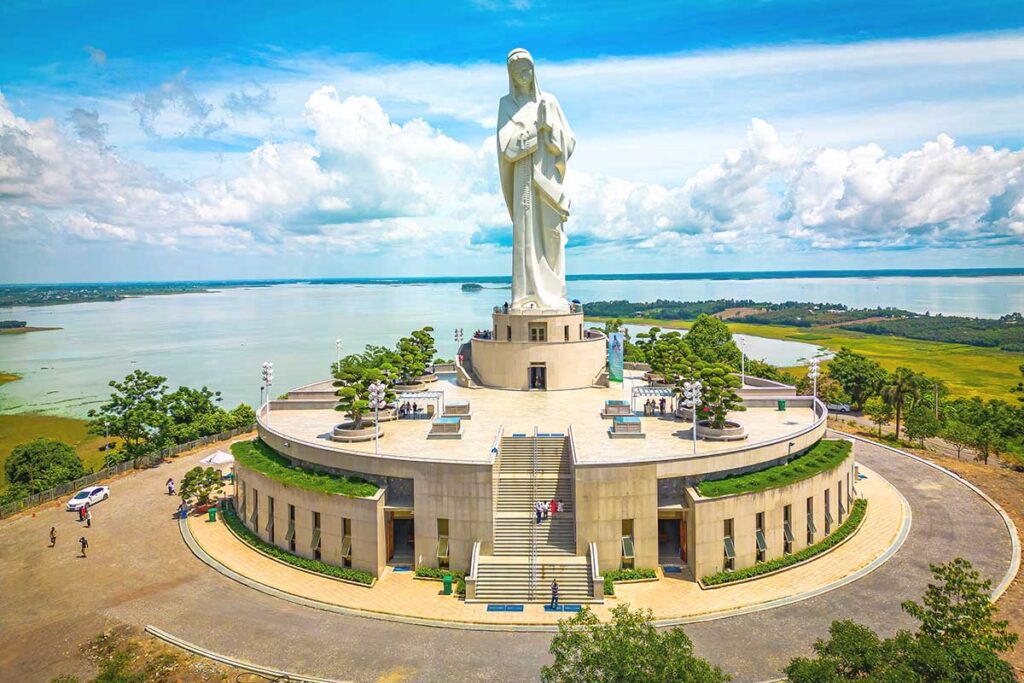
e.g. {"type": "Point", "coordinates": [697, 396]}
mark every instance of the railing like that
{"type": "Point", "coordinates": [501, 310]}
{"type": "Point", "coordinates": [534, 562]}
{"type": "Point", "coordinates": [141, 462]}
{"type": "Point", "coordinates": [474, 565]}
{"type": "Point", "coordinates": [596, 580]}
{"type": "Point", "coordinates": [570, 442]}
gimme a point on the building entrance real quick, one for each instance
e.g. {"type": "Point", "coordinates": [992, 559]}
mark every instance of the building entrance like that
{"type": "Point", "coordinates": [538, 377]}
{"type": "Point", "coordinates": [672, 541]}
{"type": "Point", "coordinates": [401, 538]}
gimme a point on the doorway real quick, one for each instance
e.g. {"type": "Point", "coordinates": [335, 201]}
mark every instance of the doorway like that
{"type": "Point", "coordinates": [672, 541]}
{"type": "Point", "coordinates": [401, 539]}
{"type": "Point", "coordinates": [538, 378]}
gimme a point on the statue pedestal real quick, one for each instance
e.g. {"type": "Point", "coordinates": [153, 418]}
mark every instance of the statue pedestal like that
{"type": "Point", "coordinates": [535, 350]}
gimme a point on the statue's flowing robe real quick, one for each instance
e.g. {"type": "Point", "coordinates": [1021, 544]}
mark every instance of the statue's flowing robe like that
{"type": "Point", "coordinates": [536, 202]}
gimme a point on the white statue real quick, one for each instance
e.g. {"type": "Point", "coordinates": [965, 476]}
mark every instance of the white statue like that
{"type": "Point", "coordinates": [534, 142]}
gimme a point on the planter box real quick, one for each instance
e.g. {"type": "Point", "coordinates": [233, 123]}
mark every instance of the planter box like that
{"type": "Point", "coordinates": [345, 434]}
{"type": "Point", "coordinates": [732, 431]}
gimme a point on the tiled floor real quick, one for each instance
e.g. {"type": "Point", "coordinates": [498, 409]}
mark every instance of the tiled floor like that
{"type": "Point", "coordinates": [668, 598]}
{"type": "Point", "coordinates": [550, 411]}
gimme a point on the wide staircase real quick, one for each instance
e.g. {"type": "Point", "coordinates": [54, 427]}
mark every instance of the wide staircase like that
{"type": "Point", "coordinates": [532, 469]}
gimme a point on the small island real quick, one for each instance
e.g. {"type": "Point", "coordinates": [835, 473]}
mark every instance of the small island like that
{"type": "Point", "coordinates": [21, 327]}
{"type": "Point", "coordinates": [471, 287]}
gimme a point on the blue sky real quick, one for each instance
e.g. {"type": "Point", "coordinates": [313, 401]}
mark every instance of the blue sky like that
{"type": "Point", "coordinates": [235, 140]}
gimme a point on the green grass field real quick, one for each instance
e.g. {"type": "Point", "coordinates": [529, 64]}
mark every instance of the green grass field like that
{"type": "Point", "coordinates": [18, 429]}
{"type": "Point", "coordinates": [966, 370]}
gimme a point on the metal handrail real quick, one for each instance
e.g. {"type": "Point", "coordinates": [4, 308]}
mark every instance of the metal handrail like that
{"type": "Point", "coordinates": [595, 572]}
{"type": "Point", "coordinates": [534, 573]}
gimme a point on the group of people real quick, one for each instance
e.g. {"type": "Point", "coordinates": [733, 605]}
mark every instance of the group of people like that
{"type": "Point", "coordinates": [653, 407]}
{"type": "Point", "coordinates": [544, 509]}
{"type": "Point", "coordinates": [408, 409]}
{"type": "Point", "coordinates": [482, 334]}
{"type": "Point", "coordinates": [85, 515]}
{"type": "Point", "coordinates": [82, 542]}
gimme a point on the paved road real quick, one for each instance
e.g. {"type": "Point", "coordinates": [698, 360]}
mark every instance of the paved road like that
{"type": "Point", "coordinates": [139, 571]}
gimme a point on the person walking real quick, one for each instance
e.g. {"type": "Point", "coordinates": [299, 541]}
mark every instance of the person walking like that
{"type": "Point", "coordinates": [170, 486]}
{"type": "Point", "coordinates": [84, 543]}
{"type": "Point", "coordinates": [53, 536]}
{"type": "Point", "coordinates": [554, 594]}
{"type": "Point", "coordinates": [561, 506]}
{"type": "Point", "coordinates": [88, 519]}
{"type": "Point", "coordinates": [662, 405]}
{"type": "Point", "coordinates": [545, 508]}
{"type": "Point", "coordinates": [537, 511]}
{"type": "Point", "coordinates": [554, 507]}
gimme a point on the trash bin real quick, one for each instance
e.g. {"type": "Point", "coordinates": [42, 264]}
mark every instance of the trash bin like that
{"type": "Point", "coordinates": [782, 405]}
{"type": "Point", "coordinates": [447, 584]}
{"type": "Point", "coordinates": [213, 514]}
{"type": "Point", "coordinates": [183, 513]}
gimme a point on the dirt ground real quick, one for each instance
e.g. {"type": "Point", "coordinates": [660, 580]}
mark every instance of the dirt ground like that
{"type": "Point", "coordinates": [1006, 487]}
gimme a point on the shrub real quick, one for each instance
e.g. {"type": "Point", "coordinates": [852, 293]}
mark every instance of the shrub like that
{"type": "Point", "coordinates": [42, 464]}
{"type": "Point", "coordinates": [439, 574]}
{"type": "Point", "coordinates": [259, 457]}
{"type": "Point", "coordinates": [848, 527]}
{"type": "Point", "coordinates": [613, 575]}
{"type": "Point", "coordinates": [243, 532]}
{"type": "Point", "coordinates": [823, 456]}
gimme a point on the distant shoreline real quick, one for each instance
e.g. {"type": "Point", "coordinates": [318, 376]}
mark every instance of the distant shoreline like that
{"type": "Point", "coordinates": [23, 330]}
{"type": "Point", "coordinates": [458, 279]}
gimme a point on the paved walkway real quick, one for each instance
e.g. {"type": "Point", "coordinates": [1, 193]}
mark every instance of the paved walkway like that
{"type": "Point", "coordinates": [670, 598]}
{"type": "Point", "coordinates": [139, 572]}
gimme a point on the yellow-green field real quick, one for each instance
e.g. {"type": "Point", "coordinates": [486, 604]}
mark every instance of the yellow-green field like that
{"type": "Point", "coordinates": [966, 370]}
{"type": "Point", "coordinates": [18, 429]}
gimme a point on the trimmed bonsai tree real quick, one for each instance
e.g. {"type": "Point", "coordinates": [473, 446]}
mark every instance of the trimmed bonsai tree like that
{"type": "Point", "coordinates": [413, 354]}
{"type": "Point", "coordinates": [201, 483]}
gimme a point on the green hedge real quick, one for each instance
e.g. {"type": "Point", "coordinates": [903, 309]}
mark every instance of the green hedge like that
{"type": "Point", "coordinates": [259, 457]}
{"type": "Point", "coordinates": [255, 541]}
{"type": "Point", "coordinates": [823, 456]}
{"type": "Point", "coordinates": [611, 576]}
{"type": "Point", "coordinates": [437, 573]}
{"type": "Point", "coordinates": [848, 527]}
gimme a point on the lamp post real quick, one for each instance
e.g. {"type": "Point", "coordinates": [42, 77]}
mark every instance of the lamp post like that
{"type": "Point", "coordinates": [268, 380]}
{"type": "Point", "coordinates": [378, 396]}
{"type": "Point", "coordinates": [743, 361]}
{"type": "Point", "coordinates": [814, 373]}
{"type": "Point", "coordinates": [693, 391]}
{"type": "Point", "coordinates": [337, 346]}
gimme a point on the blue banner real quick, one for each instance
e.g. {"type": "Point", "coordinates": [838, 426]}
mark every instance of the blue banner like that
{"type": "Point", "coordinates": [616, 352]}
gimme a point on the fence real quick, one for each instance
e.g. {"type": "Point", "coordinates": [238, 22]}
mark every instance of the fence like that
{"type": "Point", "coordinates": [139, 463]}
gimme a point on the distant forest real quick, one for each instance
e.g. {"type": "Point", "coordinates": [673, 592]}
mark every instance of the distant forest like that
{"type": "Point", "coordinates": [1006, 332]}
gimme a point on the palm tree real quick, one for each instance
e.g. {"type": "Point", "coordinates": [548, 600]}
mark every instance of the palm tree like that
{"type": "Point", "coordinates": [901, 387]}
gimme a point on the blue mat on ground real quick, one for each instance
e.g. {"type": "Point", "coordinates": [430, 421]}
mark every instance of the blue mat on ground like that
{"type": "Point", "coordinates": [401, 569]}
{"type": "Point", "coordinates": [504, 608]}
{"type": "Point", "coordinates": [672, 569]}
{"type": "Point", "coordinates": [563, 608]}
{"type": "Point", "coordinates": [519, 436]}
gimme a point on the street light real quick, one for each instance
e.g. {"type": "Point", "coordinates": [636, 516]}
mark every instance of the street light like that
{"type": "Point", "coordinates": [743, 361]}
{"type": "Point", "coordinates": [814, 373]}
{"type": "Point", "coordinates": [268, 380]}
{"type": "Point", "coordinates": [693, 391]}
{"type": "Point", "coordinates": [378, 397]}
{"type": "Point", "coordinates": [337, 345]}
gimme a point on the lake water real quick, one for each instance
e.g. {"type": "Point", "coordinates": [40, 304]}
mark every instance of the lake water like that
{"type": "Point", "coordinates": [220, 339]}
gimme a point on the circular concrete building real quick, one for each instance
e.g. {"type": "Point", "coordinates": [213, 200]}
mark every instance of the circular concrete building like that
{"type": "Point", "coordinates": [458, 488]}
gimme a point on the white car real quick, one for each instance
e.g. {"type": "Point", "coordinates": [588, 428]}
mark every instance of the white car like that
{"type": "Point", "coordinates": [90, 496]}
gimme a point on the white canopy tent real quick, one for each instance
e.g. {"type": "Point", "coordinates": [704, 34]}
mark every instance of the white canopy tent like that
{"type": "Point", "coordinates": [218, 459]}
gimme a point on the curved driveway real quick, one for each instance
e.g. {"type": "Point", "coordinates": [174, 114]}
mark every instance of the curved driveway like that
{"type": "Point", "coordinates": [139, 571]}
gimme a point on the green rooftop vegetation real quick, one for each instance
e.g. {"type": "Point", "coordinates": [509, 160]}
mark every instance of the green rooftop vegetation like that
{"type": "Point", "coordinates": [259, 457]}
{"type": "Point", "coordinates": [823, 456]}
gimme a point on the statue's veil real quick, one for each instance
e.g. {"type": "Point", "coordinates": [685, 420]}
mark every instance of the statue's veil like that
{"type": "Point", "coordinates": [515, 55]}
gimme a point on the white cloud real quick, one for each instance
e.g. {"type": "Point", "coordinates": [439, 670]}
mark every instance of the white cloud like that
{"type": "Point", "coordinates": [363, 183]}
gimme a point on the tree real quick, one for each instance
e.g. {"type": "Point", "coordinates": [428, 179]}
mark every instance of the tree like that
{"type": "Point", "coordinates": [860, 377]}
{"type": "Point", "coordinates": [900, 390]}
{"type": "Point", "coordinates": [958, 641]}
{"type": "Point", "coordinates": [958, 609]}
{"type": "Point", "coordinates": [628, 649]}
{"type": "Point", "coordinates": [711, 341]}
{"type": "Point", "coordinates": [353, 377]}
{"type": "Point", "coordinates": [879, 412]}
{"type": "Point", "coordinates": [957, 434]}
{"type": "Point", "coordinates": [135, 412]}
{"type": "Point", "coordinates": [43, 464]}
{"type": "Point", "coordinates": [922, 423]}
{"type": "Point", "coordinates": [200, 483]}
{"type": "Point", "coordinates": [830, 391]}
{"type": "Point", "coordinates": [1019, 387]}
{"type": "Point", "coordinates": [719, 385]}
